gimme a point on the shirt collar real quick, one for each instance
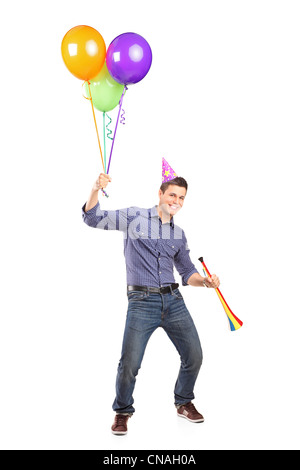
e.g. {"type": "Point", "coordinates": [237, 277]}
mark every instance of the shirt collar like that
{"type": "Point", "coordinates": [154, 213]}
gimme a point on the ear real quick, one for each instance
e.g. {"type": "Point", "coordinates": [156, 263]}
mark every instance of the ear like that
{"type": "Point", "coordinates": [160, 193]}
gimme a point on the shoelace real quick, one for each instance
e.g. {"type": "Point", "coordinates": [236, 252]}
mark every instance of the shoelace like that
{"type": "Point", "coordinates": [121, 420]}
{"type": "Point", "coordinates": [191, 408]}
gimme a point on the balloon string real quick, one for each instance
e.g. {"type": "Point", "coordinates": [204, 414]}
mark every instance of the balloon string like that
{"type": "Point", "coordinates": [104, 193]}
{"type": "Point", "coordinates": [96, 125]}
{"type": "Point", "coordinates": [104, 147]}
{"type": "Point", "coordinates": [122, 119]}
{"type": "Point", "coordinates": [109, 131]}
{"type": "Point", "coordinates": [113, 142]}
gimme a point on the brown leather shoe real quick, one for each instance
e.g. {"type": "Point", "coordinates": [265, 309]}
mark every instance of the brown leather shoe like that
{"type": "Point", "coordinates": [189, 412]}
{"type": "Point", "coordinates": [120, 424]}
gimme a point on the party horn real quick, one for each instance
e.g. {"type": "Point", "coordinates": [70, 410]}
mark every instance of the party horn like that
{"type": "Point", "coordinates": [234, 322]}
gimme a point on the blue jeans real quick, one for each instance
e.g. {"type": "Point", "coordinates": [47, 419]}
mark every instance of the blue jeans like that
{"type": "Point", "coordinates": [147, 312]}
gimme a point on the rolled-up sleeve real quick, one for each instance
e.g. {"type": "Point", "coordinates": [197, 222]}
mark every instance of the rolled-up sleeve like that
{"type": "Point", "coordinates": [105, 220]}
{"type": "Point", "coordinates": [183, 262]}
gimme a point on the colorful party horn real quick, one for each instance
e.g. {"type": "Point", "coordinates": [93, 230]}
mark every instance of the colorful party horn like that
{"type": "Point", "coordinates": [234, 322]}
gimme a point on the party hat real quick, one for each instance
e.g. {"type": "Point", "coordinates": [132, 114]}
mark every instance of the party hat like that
{"type": "Point", "coordinates": [168, 173]}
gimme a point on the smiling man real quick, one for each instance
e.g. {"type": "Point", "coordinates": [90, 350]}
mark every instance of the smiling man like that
{"type": "Point", "coordinates": [153, 245]}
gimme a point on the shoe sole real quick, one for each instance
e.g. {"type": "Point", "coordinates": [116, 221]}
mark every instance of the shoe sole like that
{"type": "Point", "coordinates": [119, 433]}
{"type": "Point", "coordinates": [191, 420]}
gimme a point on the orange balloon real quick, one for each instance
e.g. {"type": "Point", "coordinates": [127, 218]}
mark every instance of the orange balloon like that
{"type": "Point", "coordinates": [83, 50]}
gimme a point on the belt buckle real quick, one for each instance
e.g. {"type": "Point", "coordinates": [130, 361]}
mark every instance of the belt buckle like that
{"type": "Point", "coordinates": [166, 290]}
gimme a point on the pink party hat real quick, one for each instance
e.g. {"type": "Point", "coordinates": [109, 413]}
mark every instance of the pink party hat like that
{"type": "Point", "coordinates": [168, 173]}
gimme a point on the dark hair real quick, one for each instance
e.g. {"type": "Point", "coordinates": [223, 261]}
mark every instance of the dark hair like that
{"type": "Point", "coordinates": [178, 181]}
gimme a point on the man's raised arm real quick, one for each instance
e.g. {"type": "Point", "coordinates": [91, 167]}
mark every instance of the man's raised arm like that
{"type": "Point", "coordinates": [100, 183]}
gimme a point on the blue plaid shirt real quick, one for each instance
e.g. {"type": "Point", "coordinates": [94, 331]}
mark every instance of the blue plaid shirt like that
{"type": "Point", "coordinates": [151, 248]}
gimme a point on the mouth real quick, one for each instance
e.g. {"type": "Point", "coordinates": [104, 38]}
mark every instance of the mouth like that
{"type": "Point", "coordinates": [173, 208]}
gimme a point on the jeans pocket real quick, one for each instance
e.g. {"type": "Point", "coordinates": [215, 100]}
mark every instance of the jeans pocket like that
{"type": "Point", "coordinates": [137, 295]}
{"type": "Point", "coordinates": [177, 294]}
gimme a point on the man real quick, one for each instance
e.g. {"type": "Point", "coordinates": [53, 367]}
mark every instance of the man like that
{"type": "Point", "coordinates": [153, 244]}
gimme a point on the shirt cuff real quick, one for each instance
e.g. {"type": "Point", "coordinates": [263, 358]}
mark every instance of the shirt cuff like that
{"type": "Point", "coordinates": [186, 277]}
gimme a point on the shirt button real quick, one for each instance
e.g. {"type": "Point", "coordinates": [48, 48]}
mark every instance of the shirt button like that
{"type": "Point", "coordinates": [159, 272]}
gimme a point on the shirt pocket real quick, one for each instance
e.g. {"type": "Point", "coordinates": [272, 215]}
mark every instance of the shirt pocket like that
{"type": "Point", "coordinates": [171, 247]}
{"type": "Point", "coordinates": [137, 232]}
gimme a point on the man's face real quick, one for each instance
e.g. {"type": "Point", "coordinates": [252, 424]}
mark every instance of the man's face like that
{"type": "Point", "coordinates": [171, 201]}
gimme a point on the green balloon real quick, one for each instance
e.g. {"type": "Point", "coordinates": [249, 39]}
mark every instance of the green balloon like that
{"type": "Point", "coordinates": [106, 92]}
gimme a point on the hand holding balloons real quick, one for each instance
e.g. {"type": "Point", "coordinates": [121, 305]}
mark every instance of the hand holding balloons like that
{"type": "Point", "coordinates": [128, 61]}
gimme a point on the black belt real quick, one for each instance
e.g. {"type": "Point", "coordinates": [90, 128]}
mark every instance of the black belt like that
{"type": "Point", "coordinates": [154, 290]}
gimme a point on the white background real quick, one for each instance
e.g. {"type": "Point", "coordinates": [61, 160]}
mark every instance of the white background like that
{"type": "Point", "coordinates": [221, 104]}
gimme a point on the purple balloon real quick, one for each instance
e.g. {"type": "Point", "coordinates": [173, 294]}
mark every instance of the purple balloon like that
{"type": "Point", "coordinates": [129, 58]}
